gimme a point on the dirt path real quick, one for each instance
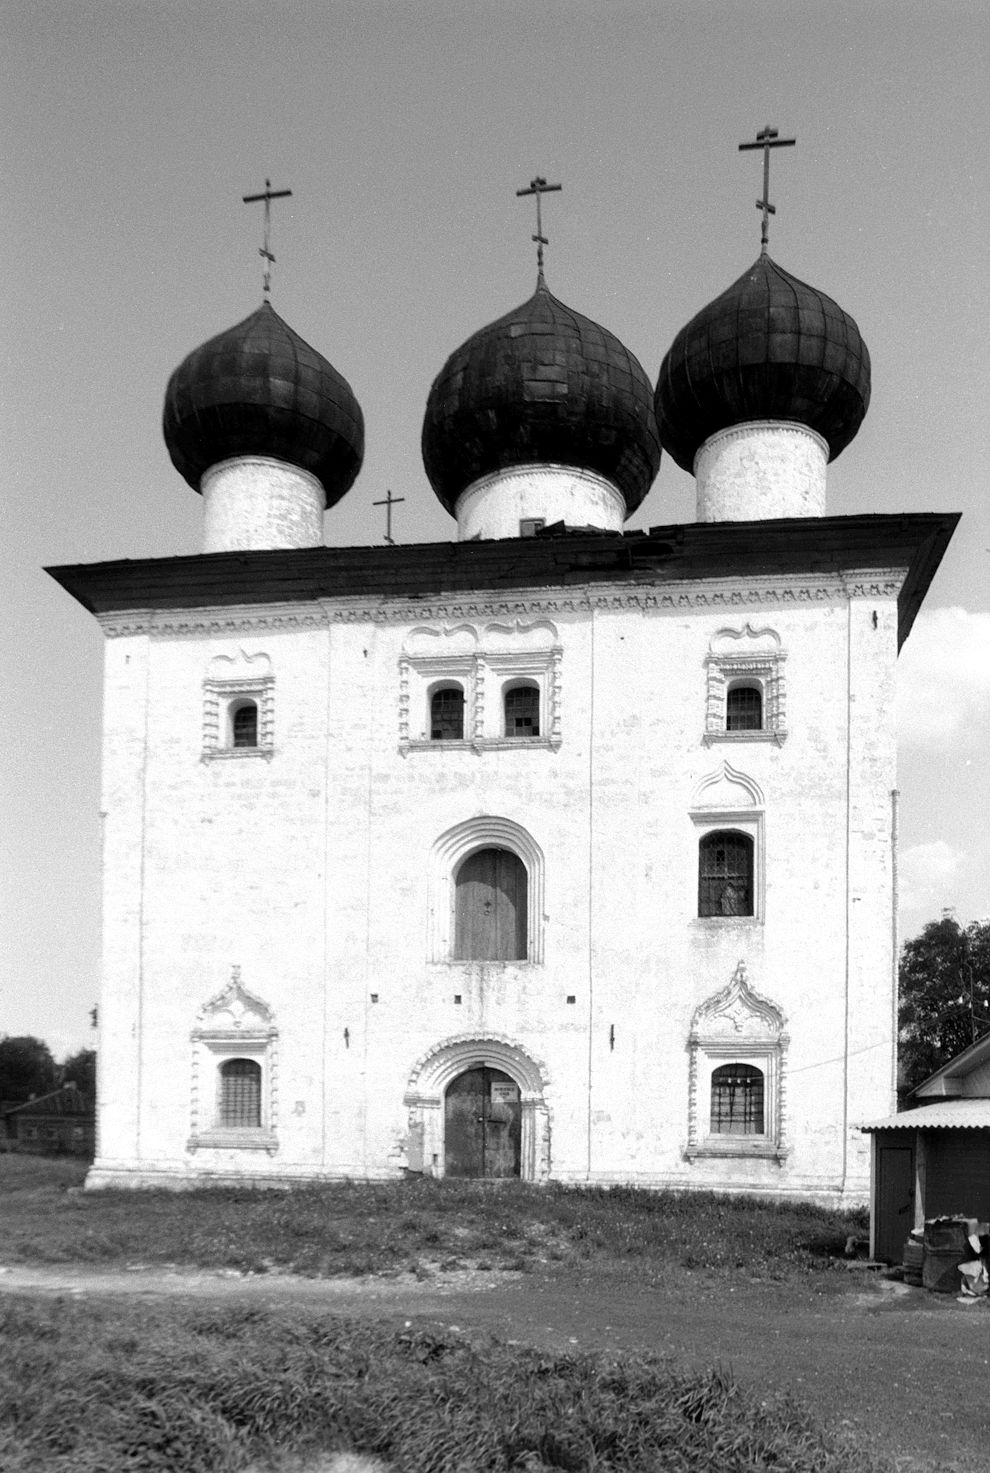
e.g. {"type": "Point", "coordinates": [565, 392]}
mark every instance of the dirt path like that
{"type": "Point", "coordinates": [910, 1369]}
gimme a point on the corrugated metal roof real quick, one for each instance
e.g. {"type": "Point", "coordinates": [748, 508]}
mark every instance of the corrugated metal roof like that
{"type": "Point", "coordinates": [946, 1115]}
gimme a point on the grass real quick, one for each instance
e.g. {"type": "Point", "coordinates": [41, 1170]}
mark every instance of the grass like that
{"type": "Point", "coordinates": [101, 1389]}
{"type": "Point", "coordinates": [418, 1226]}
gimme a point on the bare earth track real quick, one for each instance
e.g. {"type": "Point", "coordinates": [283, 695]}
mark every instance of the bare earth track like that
{"type": "Point", "coordinates": [909, 1369]}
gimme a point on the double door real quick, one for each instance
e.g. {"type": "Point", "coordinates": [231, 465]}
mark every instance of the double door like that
{"type": "Point", "coordinates": [483, 1124]}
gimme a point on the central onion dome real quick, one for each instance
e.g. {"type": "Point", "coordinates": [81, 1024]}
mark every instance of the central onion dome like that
{"type": "Point", "coordinates": [542, 386]}
{"type": "Point", "coordinates": [770, 348]}
{"type": "Point", "coordinates": [259, 390]}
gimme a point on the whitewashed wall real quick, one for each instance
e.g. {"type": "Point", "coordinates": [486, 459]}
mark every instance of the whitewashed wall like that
{"type": "Point", "coordinates": [310, 872]}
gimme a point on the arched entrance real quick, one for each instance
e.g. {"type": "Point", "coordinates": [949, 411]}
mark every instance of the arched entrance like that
{"type": "Point", "coordinates": [478, 1107]}
{"type": "Point", "coordinates": [482, 1124]}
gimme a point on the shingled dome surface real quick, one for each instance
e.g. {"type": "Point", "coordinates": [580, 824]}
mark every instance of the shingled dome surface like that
{"type": "Point", "coordinates": [769, 348]}
{"type": "Point", "coordinates": [259, 389]}
{"type": "Point", "coordinates": [541, 385]}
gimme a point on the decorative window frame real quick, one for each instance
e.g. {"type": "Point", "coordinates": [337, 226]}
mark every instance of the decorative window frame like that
{"type": "Point", "coordinates": [737, 1026]}
{"type": "Point", "coordinates": [751, 656]}
{"type": "Point", "coordinates": [223, 692]}
{"type": "Point", "coordinates": [233, 1025]}
{"type": "Point", "coordinates": [484, 675]}
{"type": "Point", "coordinates": [710, 813]}
{"type": "Point", "coordinates": [448, 852]}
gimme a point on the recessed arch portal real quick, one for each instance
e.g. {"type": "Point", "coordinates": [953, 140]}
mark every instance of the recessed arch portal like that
{"type": "Point", "coordinates": [437, 1070]}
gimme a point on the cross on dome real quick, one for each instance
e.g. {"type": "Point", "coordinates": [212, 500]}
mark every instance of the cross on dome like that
{"type": "Point", "coordinates": [766, 139]}
{"type": "Point", "coordinates": [539, 187]}
{"type": "Point", "coordinates": [264, 250]}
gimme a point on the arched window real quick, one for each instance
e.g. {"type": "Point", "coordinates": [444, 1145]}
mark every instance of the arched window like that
{"type": "Point", "coordinates": [244, 725]}
{"type": "Point", "coordinates": [447, 714]}
{"type": "Point", "coordinates": [522, 711]}
{"type": "Point", "coordinates": [725, 874]}
{"type": "Point", "coordinates": [240, 1094]}
{"type": "Point", "coordinates": [737, 1100]}
{"type": "Point", "coordinates": [490, 907]}
{"type": "Point", "coordinates": [744, 708]}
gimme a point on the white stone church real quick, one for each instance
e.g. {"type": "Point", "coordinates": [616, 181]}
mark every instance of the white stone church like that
{"type": "Point", "coordinates": [553, 851]}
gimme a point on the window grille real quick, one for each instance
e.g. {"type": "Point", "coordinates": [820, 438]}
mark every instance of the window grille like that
{"type": "Point", "coordinates": [244, 726]}
{"type": "Point", "coordinates": [737, 1100]}
{"type": "Point", "coordinates": [522, 711]}
{"type": "Point", "coordinates": [491, 907]}
{"type": "Point", "coordinates": [447, 714]}
{"type": "Point", "coordinates": [744, 708]}
{"type": "Point", "coordinates": [240, 1094]}
{"type": "Point", "coordinates": [725, 875]}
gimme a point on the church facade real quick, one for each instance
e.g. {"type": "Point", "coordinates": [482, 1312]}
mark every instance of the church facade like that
{"type": "Point", "coordinates": [555, 851]}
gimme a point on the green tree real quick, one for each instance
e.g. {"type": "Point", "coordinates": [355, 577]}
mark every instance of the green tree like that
{"type": "Point", "coordinates": [26, 1068]}
{"type": "Point", "coordinates": [944, 1001]}
{"type": "Point", "coordinates": [80, 1069]}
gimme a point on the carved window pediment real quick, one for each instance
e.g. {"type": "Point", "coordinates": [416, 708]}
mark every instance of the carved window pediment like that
{"type": "Point", "coordinates": [737, 1026]}
{"type": "Point", "coordinates": [747, 657]}
{"type": "Point", "coordinates": [234, 1024]}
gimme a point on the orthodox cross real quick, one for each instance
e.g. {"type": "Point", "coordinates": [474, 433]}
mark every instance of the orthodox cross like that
{"type": "Point", "coordinates": [388, 503]}
{"type": "Point", "coordinates": [766, 139]}
{"type": "Point", "coordinates": [264, 251]}
{"type": "Point", "coordinates": [539, 187]}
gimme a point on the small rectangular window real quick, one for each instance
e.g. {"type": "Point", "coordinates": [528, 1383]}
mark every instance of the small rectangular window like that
{"type": "Point", "coordinates": [240, 1094]}
{"type": "Point", "coordinates": [737, 1100]}
{"type": "Point", "coordinates": [744, 708]}
{"type": "Point", "coordinates": [529, 526]}
{"type": "Point", "coordinates": [522, 711]}
{"type": "Point", "coordinates": [447, 714]}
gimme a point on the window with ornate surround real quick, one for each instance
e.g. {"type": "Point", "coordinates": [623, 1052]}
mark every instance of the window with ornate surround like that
{"type": "Point", "coordinates": [729, 870]}
{"type": "Point", "coordinates": [738, 1028]}
{"type": "Point", "coordinates": [739, 660]}
{"type": "Point", "coordinates": [487, 665]}
{"type": "Point", "coordinates": [234, 1108]}
{"type": "Point", "coordinates": [234, 685]}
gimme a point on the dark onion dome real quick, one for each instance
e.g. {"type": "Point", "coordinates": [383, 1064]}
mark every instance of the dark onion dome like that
{"type": "Point", "coordinates": [769, 348]}
{"type": "Point", "coordinates": [542, 385]}
{"type": "Point", "coordinates": [259, 389]}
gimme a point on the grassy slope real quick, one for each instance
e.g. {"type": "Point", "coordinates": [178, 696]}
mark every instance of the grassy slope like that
{"type": "Point", "coordinates": [360, 1228]}
{"type": "Point", "coordinates": [101, 1389]}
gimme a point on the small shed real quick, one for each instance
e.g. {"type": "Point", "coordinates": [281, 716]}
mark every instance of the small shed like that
{"type": "Point", "coordinates": [62, 1122]}
{"type": "Point", "coordinates": [933, 1159]}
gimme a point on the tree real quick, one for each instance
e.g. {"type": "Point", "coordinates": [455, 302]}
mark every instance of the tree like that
{"type": "Point", "coordinates": [944, 994]}
{"type": "Point", "coordinates": [80, 1069]}
{"type": "Point", "coordinates": [26, 1068]}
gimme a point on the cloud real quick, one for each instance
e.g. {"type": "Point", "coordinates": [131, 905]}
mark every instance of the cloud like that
{"type": "Point", "coordinates": [926, 876]}
{"type": "Point", "coordinates": [943, 677]}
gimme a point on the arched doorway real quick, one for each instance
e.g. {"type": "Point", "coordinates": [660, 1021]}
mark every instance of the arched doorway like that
{"type": "Point", "coordinates": [482, 1124]}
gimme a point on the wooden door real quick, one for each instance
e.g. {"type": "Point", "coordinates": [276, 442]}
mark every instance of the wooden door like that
{"type": "Point", "coordinates": [482, 1124]}
{"type": "Point", "coordinates": [895, 1201]}
{"type": "Point", "coordinates": [490, 907]}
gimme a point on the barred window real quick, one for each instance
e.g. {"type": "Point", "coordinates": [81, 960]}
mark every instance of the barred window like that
{"type": "Point", "coordinates": [744, 708]}
{"type": "Point", "coordinates": [447, 714]}
{"type": "Point", "coordinates": [244, 725]}
{"type": "Point", "coordinates": [737, 1100]}
{"type": "Point", "coordinates": [725, 874]}
{"type": "Point", "coordinates": [240, 1094]}
{"type": "Point", "coordinates": [522, 711]}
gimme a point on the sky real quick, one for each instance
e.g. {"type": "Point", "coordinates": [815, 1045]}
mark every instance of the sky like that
{"type": "Point", "coordinates": [130, 130]}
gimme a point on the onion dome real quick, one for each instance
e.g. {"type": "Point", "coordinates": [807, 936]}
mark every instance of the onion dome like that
{"type": "Point", "coordinates": [541, 386]}
{"type": "Point", "coordinates": [769, 348]}
{"type": "Point", "coordinates": [259, 389]}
